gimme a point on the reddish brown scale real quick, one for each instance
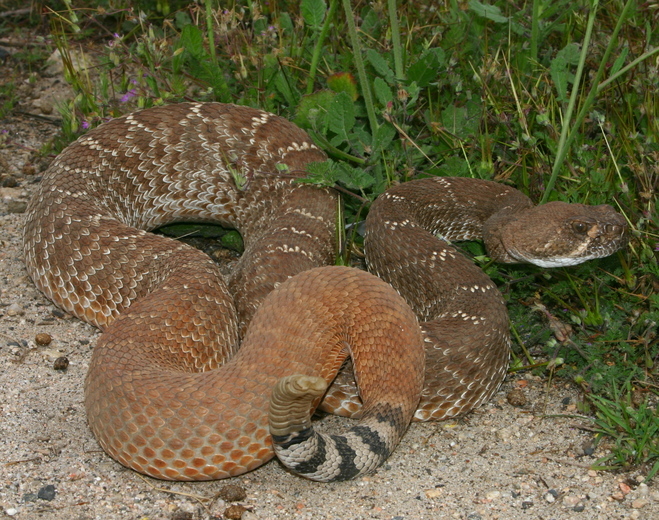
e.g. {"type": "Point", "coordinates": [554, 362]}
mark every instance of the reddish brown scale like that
{"type": "Point", "coordinates": [166, 393]}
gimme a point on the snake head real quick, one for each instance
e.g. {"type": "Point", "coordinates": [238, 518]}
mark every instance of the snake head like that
{"type": "Point", "coordinates": [556, 234]}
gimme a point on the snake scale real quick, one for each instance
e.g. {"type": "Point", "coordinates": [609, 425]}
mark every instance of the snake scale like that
{"type": "Point", "coordinates": [169, 392]}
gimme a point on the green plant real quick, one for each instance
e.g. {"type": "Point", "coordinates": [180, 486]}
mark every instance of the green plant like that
{"type": "Point", "coordinates": [7, 98]}
{"type": "Point", "coordinates": [634, 430]}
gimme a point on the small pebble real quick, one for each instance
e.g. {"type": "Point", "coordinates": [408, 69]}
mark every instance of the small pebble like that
{"type": "Point", "coordinates": [47, 492]}
{"type": "Point", "coordinates": [42, 339]}
{"type": "Point", "coordinates": [14, 310]}
{"type": "Point", "coordinates": [639, 503]}
{"type": "Point", "coordinates": [625, 488]}
{"type": "Point", "coordinates": [46, 107]}
{"type": "Point", "coordinates": [527, 504]}
{"type": "Point", "coordinates": [492, 495]}
{"type": "Point", "coordinates": [11, 511]}
{"type": "Point", "coordinates": [638, 398]}
{"type": "Point", "coordinates": [9, 182]}
{"type": "Point", "coordinates": [516, 397]}
{"type": "Point", "coordinates": [58, 313]}
{"type": "Point", "coordinates": [61, 363]}
{"type": "Point", "coordinates": [232, 493]}
{"type": "Point", "coordinates": [29, 169]}
{"type": "Point", "coordinates": [234, 512]}
{"type": "Point", "coordinates": [570, 500]}
{"type": "Point", "coordinates": [16, 206]}
{"type": "Point", "coordinates": [588, 447]}
{"type": "Point", "coordinates": [181, 515]}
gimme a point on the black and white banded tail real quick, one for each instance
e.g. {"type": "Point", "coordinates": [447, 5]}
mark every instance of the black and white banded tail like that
{"type": "Point", "coordinates": [323, 457]}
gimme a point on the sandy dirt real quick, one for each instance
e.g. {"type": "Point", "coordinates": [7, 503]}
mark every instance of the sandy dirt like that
{"type": "Point", "coordinates": [501, 461]}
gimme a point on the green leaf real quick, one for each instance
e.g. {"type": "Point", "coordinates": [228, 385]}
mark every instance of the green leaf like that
{"type": "Point", "coordinates": [328, 173]}
{"type": "Point", "coordinates": [341, 117]}
{"type": "Point", "coordinates": [382, 91]}
{"type": "Point", "coordinates": [181, 19]}
{"type": "Point", "coordinates": [283, 87]}
{"type": "Point", "coordinates": [193, 41]}
{"type": "Point", "coordinates": [491, 12]}
{"type": "Point", "coordinates": [206, 70]}
{"type": "Point", "coordinates": [312, 110]}
{"type": "Point", "coordinates": [426, 69]}
{"type": "Point", "coordinates": [371, 22]}
{"type": "Point", "coordinates": [462, 121]}
{"type": "Point", "coordinates": [320, 173]}
{"type": "Point", "coordinates": [383, 137]}
{"type": "Point", "coordinates": [343, 82]}
{"type": "Point", "coordinates": [560, 66]}
{"type": "Point", "coordinates": [380, 65]}
{"type": "Point", "coordinates": [313, 12]}
{"type": "Point", "coordinates": [232, 240]}
{"type": "Point", "coordinates": [360, 140]}
{"type": "Point", "coordinates": [413, 91]}
{"type": "Point", "coordinates": [620, 61]}
{"type": "Point", "coordinates": [286, 23]}
{"type": "Point", "coordinates": [453, 166]}
{"type": "Point", "coordinates": [353, 178]}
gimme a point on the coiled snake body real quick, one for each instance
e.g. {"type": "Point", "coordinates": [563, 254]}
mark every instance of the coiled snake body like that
{"type": "Point", "coordinates": [170, 394]}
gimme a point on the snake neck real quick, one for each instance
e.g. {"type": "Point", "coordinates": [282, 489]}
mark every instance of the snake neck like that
{"type": "Point", "coordinates": [410, 227]}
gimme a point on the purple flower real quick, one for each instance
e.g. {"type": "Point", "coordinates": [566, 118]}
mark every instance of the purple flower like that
{"type": "Point", "coordinates": [85, 124]}
{"type": "Point", "coordinates": [128, 95]}
{"type": "Point", "coordinates": [116, 37]}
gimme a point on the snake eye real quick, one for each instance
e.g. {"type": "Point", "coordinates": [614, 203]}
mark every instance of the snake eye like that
{"type": "Point", "coordinates": [579, 227]}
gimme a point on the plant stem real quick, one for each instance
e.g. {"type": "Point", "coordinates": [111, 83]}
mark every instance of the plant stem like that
{"type": "Point", "coordinates": [315, 57]}
{"type": "Point", "coordinates": [335, 151]}
{"type": "Point", "coordinates": [359, 63]}
{"type": "Point", "coordinates": [626, 69]}
{"type": "Point", "coordinates": [395, 41]}
{"type": "Point", "coordinates": [568, 136]}
{"type": "Point", "coordinates": [563, 145]}
{"type": "Point", "coordinates": [208, 4]}
{"type": "Point", "coordinates": [535, 29]}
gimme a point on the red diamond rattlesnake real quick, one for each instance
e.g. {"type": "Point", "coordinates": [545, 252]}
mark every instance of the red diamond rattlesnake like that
{"type": "Point", "coordinates": [159, 398]}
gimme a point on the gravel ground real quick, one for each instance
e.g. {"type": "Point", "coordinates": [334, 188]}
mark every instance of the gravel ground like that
{"type": "Point", "coordinates": [501, 461]}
